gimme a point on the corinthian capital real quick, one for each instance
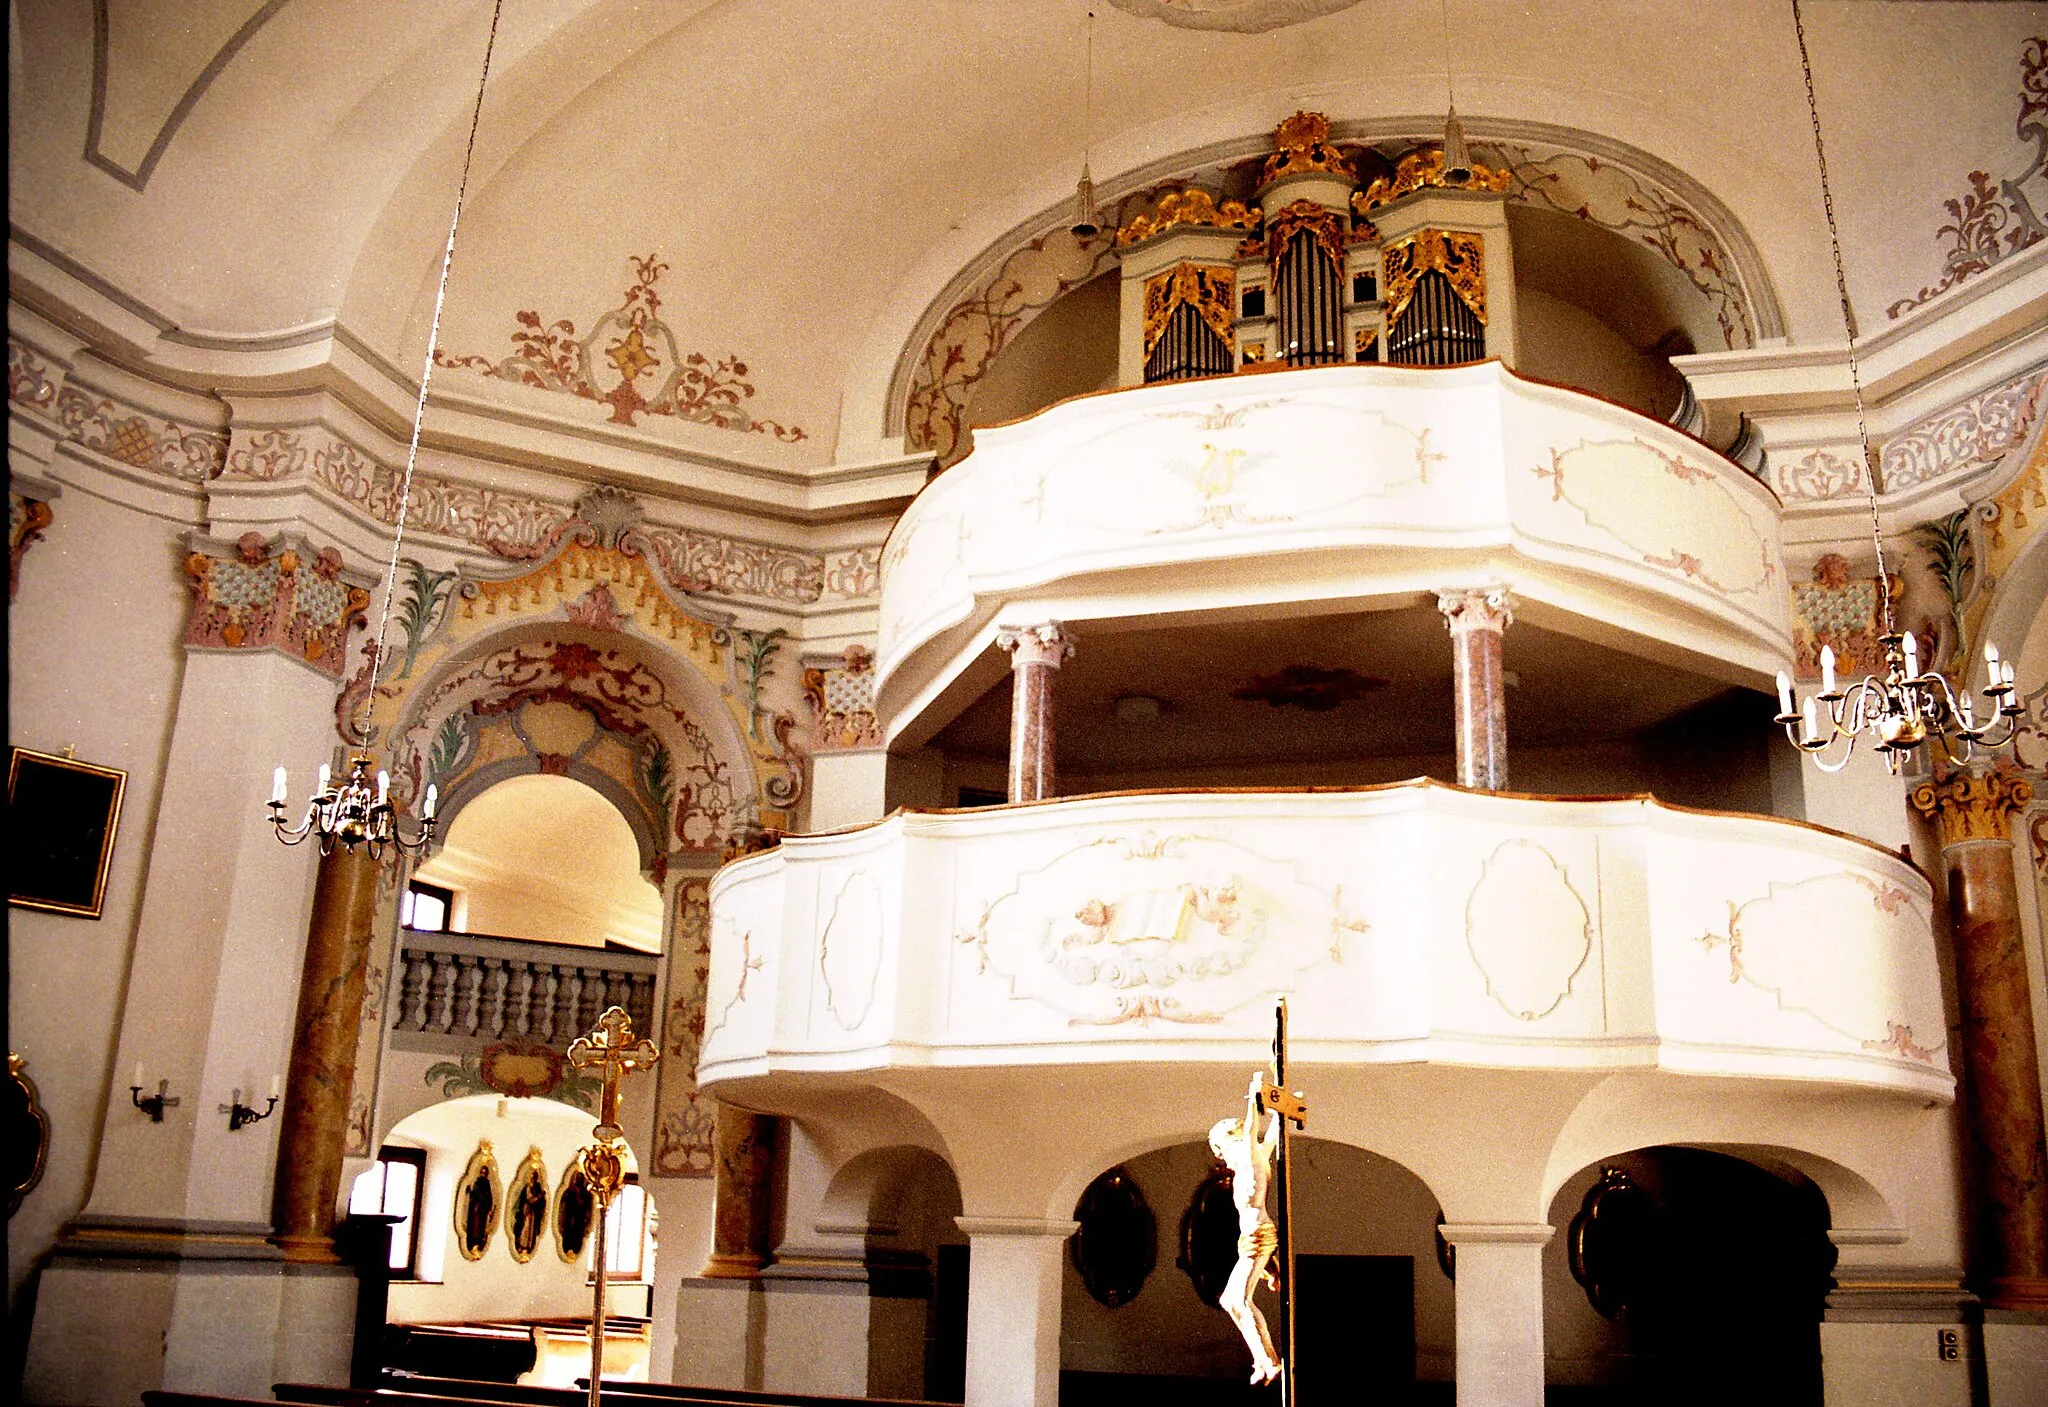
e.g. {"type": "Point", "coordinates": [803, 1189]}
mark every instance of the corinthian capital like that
{"type": "Point", "coordinates": [1476, 607]}
{"type": "Point", "coordinates": [1048, 644]}
{"type": "Point", "coordinates": [1972, 804]}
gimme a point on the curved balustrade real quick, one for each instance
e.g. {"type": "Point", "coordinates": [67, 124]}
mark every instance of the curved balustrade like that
{"type": "Point", "coordinates": [1353, 483]}
{"type": "Point", "coordinates": [1414, 922]}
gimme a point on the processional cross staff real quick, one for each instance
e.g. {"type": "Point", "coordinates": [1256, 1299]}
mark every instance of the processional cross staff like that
{"type": "Point", "coordinates": [1254, 1146]}
{"type": "Point", "coordinates": [611, 1049]}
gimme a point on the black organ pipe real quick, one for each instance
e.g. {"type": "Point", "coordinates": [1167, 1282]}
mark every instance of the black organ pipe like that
{"type": "Point", "coordinates": [1308, 293]}
{"type": "Point", "coordinates": [1187, 346]}
{"type": "Point", "coordinates": [1436, 328]}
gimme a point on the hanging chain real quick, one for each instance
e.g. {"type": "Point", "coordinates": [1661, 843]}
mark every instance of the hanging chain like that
{"type": "Point", "coordinates": [1088, 90]}
{"type": "Point", "coordinates": [1450, 92]}
{"type": "Point", "coordinates": [1827, 200]}
{"type": "Point", "coordinates": [419, 413]}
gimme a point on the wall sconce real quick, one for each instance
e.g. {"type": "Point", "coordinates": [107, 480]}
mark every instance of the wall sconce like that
{"type": "Point", "coordinates": [152, 1104]}
{"type": "Point", "coordinates": [241, 1115]}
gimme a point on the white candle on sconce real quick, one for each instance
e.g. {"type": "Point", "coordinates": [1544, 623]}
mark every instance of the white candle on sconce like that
{"type": "Point", "coordinates": [137, 1081]}
{"type": "Point", "coordinates": [325, 773]}
{"type": "Point", "coordinates": [276, 1086]}
{"type": "Point", "coordinates": [1827, 669]}
{"type": "Point", "coordinates": [383, 788]}
{"type": "Point", "coordinates": [433, 795]}
{"type": "Point", "coordinates": [1784, 693]}
{"type": "Point", "coordinates": [277, 787]}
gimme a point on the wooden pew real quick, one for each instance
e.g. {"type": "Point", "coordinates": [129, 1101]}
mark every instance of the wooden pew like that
{"type": "Point", "coordinates": [407, 1391]}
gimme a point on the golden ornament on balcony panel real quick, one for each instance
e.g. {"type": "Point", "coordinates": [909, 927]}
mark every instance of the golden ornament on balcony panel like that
{"type": "Point", "coordinates": [1193, 207]}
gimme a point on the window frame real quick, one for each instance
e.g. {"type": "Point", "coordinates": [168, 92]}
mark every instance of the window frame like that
{"type": "Point", "coordinates": [416, 1158]}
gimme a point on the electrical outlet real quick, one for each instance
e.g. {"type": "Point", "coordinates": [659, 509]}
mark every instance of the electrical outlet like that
{"type": "Point", "coordinates": [1948, 1345]}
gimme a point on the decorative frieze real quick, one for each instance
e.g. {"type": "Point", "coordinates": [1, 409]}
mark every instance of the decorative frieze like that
{"type": "Point", "coordinates": [265, 597]}
{"type": "Point", "coordinates": [1840, 613]}
{"type": "Point", "coordinates": [1970, 435]}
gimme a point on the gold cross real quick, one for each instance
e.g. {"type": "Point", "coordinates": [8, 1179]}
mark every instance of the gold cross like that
{"type": "Point", "coordinates": [612, 1049]}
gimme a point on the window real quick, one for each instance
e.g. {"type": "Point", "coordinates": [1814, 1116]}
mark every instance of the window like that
{"type": "Point", "coordinates": [392, 1188]}
{"type": "Point", "coordinates": [426, 908]}
{"type": "Point", "coordinates": [625, 1237]}
{"type": "Point", "coordinates": [1363, 288]}
{"type": "Point", "coordinates": [1254, 302]}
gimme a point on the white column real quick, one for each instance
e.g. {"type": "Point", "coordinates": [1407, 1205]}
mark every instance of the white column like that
{"type": "Point", "coordinates": [1500, 1313]}
{"type": "Point", "coordinates": [1013, 1310]}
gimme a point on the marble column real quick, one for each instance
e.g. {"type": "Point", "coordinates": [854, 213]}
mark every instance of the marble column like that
{"type": "Point", "coordinates": [313, 1121]}
{"type": "Point", "coordinates": [743, 1202]}
{"type": "Point", "coordinates": [1013, 1309]}
{"type": "Point", "coordinates": [1036, 653]}
{"type": "Point", "coordinates": [1973, 808]}
{"type": "Point", "coordinates": [1499, 1313]}
{"type": "Point", "coordinates": [1477, 616]}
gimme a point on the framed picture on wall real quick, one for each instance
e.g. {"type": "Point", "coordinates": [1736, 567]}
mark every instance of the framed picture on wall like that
{"type": "Point", "coordinates": [62, 815]}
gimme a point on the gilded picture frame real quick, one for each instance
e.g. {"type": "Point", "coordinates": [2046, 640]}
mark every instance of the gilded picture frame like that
{"type": "Point", "coordinates": [479, 1203]}
{"type": "Point", "coordinates": [66, 815]}
{"type": "Point", "coordinates": [575, 1214]}
{"type": "Point", "coordinates": [526, 1207]}
{"type": "Point", "coordinates": [28, 1132]}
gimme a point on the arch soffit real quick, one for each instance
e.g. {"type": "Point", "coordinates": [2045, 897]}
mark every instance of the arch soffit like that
{"type": "Point", "coordinates": [1608, 183]}
{"type": "Point", "coordinates": [869, 1181]}
{"type": "Point", "coordinates": [2013, 556]}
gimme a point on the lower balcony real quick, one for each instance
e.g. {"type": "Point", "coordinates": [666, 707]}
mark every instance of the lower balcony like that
{"type": "Point", "coordinates": [1414, 923]}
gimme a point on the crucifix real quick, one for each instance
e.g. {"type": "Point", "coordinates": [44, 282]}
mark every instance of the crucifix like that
{"type": "Point", "coordinates": [612, 1051]}
{"type": "Point", "coordinates": [1253, 1146]}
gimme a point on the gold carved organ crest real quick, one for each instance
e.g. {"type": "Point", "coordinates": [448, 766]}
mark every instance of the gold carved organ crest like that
{"type": "Point", "coordinates": [1322, 269]}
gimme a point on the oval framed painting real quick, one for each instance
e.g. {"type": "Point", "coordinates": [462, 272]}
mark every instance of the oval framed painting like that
{"type": "Point", "coordinates": [575, 1212]}
{"type": "Point", "coordinates": [479, 1202]}
{"type": "Point", "coordinates": [1208, 1236]}
{"type": "Point", "coordinates": [526, 1210]}
{"type": "Point", "coordinates": [1118, 1243]}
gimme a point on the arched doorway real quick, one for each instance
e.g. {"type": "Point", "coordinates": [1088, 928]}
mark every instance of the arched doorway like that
{"type": "Point", "coordinates": [1375, 1313]}
{"type": "Point", "coordinates": [492, 1261]}
{"type": "Point", "coordinates": [1709, 1273]}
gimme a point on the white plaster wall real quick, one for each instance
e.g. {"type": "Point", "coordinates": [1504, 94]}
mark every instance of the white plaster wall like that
{"type": "Point", "coordinates": [101, 609]}
{"type": "Point", "coordinates": [1559, 341]}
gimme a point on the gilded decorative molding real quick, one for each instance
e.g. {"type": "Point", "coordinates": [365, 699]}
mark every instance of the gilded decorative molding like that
{"type": "Point", "coordinates": [26, 519]}
{"type": "Point", "coordinates": [551, 357]}
{"type": "Point", "coordinates": [1971, 805]}
{"type": "Point", "coordinates": [1191, 207]}
{"type": "Point", "coordinates": [1422, 170]}
{"type": "Point", "coordinates": [1209, 289]}
{"type": "Point", "coordinates": [1988, 223]}
{"type": "Point", "coordinates": [1456, 254]}
{"type": "Point", "coordinates": [1329, 228]}
{"type": "Point", "coordinates": [260, 599]}
{"type": "Point", "coordinates": [1304, 146]}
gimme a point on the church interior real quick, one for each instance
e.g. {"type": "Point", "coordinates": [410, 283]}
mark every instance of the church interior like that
{"type": "Point", "coordinates": [691, 683]}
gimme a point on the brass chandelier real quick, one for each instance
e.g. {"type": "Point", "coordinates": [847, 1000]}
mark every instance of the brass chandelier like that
{"type": "Point", "coordinates": [1908, 705]}
{"type": "Point", "coordinates": [357, 810]}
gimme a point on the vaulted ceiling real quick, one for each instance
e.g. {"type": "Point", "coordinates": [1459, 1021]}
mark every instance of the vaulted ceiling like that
{"type": "Point", "coordinates": [814, 173]}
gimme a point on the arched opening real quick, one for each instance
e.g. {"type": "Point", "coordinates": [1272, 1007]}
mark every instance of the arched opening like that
{"type": "Point", "coordinates": [492, 1262]}
{"type": "Point", "coordinates": [1374, 1312]}
{"type": "Point", "coordinates": [546, 859]}
{"type": "Point", "coordinates": [902, 1201]}
{"type": "Point", "coordinates": [1681, 1275]}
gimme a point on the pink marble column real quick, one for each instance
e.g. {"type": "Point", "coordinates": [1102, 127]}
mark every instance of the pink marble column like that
{"type": "Point", "coordinates": [1477, 616]}
{"type": "Point", "coordinates": [1973, 810]}
{"type": "Point", "coordinates": [1036, 652]}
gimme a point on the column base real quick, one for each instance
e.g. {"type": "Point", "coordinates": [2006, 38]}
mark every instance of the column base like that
{"type": "Point", "coordinates": [2027, 1294]}
{"type": "Point", "coordinates": [726, 1266]}
{"type": "Point", "coordinates": [308, 1250]}
{"type": "Point", "coordinates": [125, 1307]}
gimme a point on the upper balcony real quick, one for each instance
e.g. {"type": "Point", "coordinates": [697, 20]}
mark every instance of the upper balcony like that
{"type": "Point", "coordinates": [1330, 491]}
{"type": "Point", "coordinates": [1409, 923]}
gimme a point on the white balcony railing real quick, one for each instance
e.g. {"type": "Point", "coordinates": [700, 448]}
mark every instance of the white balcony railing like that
{"type": "Point", "coordinates": [1414, 922]}
{"type": "Point", "coordinates": [1340, 484]}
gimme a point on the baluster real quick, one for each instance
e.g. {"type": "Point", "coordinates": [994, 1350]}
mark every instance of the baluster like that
{"type": "Point", "coordinates": [442, 1017]}
{"type": "Point", "coordinates": [468, 992]}
{"type": "Point", "coordinates": [519, 1002]}
{"type": "Point", "coordinates": [544, 986]}
{"type": "Point", "coordinates": [592, 1004]}
{"type": "Point", "coordinates": [640, 1003]}
{"type": "Point", "coordinates": [412, 991]}
{"type": "Point", "coordinates": [617, 989]}
{"type": "Point", "coordinates": [568, 991]}
{"type": "Point", "coordinates": [492, 1019]}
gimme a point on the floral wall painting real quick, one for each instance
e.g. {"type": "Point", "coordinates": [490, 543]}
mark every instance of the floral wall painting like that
{"type": "Point", "coordinates": [630, 360]}
{"type": "Point", "coordinates": [1994, 218]}
{"type": "Point", "coordinates": [527, 1211]}
{"type": "Point", "coordinates": [479, 1203]}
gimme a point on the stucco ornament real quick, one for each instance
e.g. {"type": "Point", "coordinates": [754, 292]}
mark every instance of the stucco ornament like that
{"type": "Point", "coordinates": [1242, 16]}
